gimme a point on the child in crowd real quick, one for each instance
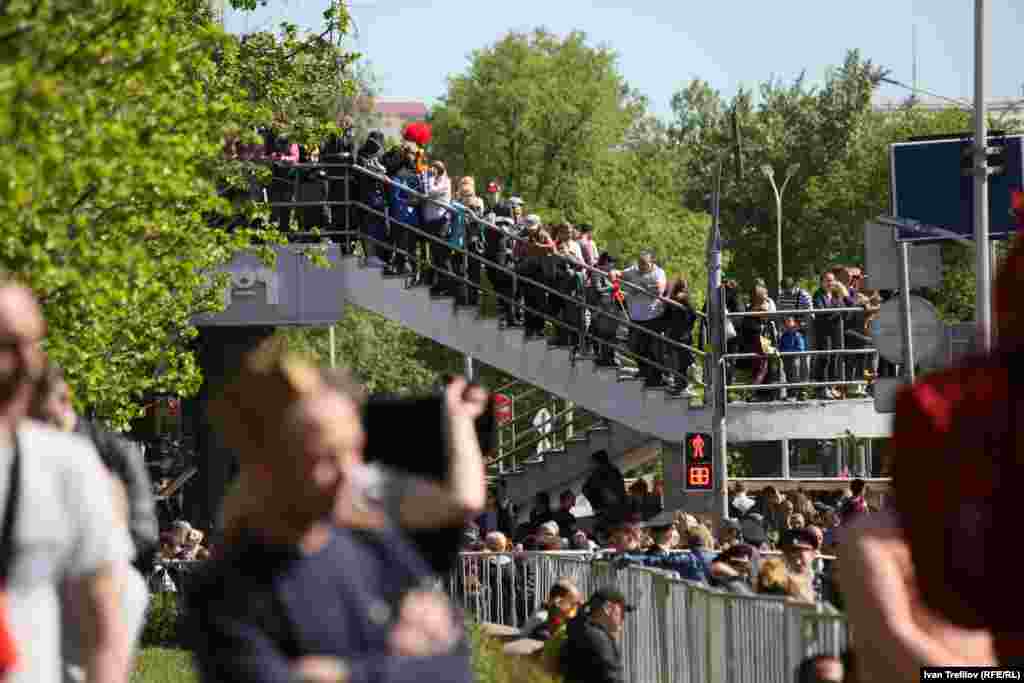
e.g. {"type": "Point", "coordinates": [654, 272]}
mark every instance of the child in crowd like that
{"type": "Point", "coordinates": [793, 341]}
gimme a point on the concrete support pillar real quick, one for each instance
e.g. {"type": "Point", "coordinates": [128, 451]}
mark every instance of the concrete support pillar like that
{"type": "Point", "coordinates": [219, 351]}
{"type": "Point", "coordinates": [784, 443]}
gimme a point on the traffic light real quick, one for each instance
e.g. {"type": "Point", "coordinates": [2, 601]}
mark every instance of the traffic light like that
{"type": "Point", "coordinates": [995, 155]}
{"type": "Point", "coordinates": [700, 473]}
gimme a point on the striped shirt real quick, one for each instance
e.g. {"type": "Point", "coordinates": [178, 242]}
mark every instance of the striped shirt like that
{"type": "Point", "coordinates": [796, 299]}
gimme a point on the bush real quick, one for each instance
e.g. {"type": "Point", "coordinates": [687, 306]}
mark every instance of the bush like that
{"type": "Point", "coordinates": [163, 619]}
{"type": "Point", "coordinates": [492, 665]}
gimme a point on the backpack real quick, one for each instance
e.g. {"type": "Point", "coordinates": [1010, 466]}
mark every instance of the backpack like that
{"type": "Point", "coordinates": [456, 232]}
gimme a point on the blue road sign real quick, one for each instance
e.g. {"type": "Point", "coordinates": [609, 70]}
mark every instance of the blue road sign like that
{"type": "Point", "coordinates": [933, 198]}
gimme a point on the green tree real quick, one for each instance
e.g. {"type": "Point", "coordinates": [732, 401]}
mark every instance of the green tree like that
{"type": "Point", "coordinates": [790, 124]}
{"type": "Point", "coordinates": [538, 111]}
{"type": "Point", "coordinates": [114, 115]}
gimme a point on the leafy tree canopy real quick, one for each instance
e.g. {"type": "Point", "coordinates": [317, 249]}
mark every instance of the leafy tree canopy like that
{"type": "Point", "coordinates": [114, 115]}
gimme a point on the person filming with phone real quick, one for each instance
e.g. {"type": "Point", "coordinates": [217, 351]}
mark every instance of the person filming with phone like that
{"type": "Point", "coordinates": [317, 582]}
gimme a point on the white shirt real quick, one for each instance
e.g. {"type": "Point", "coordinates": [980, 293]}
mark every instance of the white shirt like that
{"type": "Point", "coordinates": [644, 307]}
{"type": "Point", "coordinates": [66, 529]}
{"type": "Point", "coordinates": [441, 190]}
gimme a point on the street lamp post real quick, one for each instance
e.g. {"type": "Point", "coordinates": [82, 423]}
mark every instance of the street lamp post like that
{"type": "Point", "coordinates": [769, 173]}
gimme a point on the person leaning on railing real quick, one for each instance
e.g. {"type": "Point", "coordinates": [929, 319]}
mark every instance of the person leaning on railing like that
{"type": "Point", "coordinates": [679, 322]}
{"type": "Point", "coordinates": [646, 309]}
{"type": "Point", "coordinates": [828, 332]}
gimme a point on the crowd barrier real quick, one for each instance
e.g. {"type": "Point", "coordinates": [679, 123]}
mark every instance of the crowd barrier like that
{"type": "Point", "coordinates": [681, 632]}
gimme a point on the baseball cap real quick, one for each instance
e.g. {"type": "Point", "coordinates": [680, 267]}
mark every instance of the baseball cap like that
{"type": "Point", "coordinates": [532, 220]}
{"type": "Point", "coordinates": [493, 187]}
{"type": "Point", "coordinates": [515, 201]}
{"type": "Point", "coordinates": [610, 594]}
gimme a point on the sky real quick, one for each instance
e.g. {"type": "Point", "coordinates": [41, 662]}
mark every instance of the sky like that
{"type": "Point", "coordinates": [414, 45]}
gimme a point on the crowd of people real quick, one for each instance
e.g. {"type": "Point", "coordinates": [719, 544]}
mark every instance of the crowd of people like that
{"type": "Point", "coordinates": [837, 317]}
{"type": "Point", "coordinates": [415, 220]}
{"type": "Point", "coordinates": [773, 544]}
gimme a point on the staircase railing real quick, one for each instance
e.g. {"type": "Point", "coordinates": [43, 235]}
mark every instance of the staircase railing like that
{"type": "Point", "coordinates": [519, 438]}
{"type": "Point", "coordinates": [578, 327]}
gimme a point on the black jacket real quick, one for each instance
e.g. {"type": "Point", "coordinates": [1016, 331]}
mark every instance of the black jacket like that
{"type": "Point", "coordinates": [126, 463]}
{"type": "Point", "coordinates": [590, 654]}
{"type": "Point", "coordinates": [606, 488]}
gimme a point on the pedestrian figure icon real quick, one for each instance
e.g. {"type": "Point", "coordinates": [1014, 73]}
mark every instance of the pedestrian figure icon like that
{"type": "Point", "coordinates": [697, 443]}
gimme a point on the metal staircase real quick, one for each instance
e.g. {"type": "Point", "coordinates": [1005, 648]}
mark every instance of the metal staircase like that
{"type": "Point", "coordinates": [557, 370]}
{"type": "Point", "coordinates": [547, 444]}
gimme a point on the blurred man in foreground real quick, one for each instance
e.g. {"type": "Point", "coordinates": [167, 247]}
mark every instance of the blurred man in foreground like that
{"type": "Point", "coordinates": [62, 525]}
{"type": "Point", "coordinates": [297, 596]}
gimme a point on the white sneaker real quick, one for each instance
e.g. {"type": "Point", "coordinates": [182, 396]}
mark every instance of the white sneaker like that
{"type": "Point", "coordinates": [375, 262]}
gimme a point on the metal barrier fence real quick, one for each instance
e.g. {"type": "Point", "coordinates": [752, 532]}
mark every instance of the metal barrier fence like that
{"type": "Point", "coordinates": [680, 632]}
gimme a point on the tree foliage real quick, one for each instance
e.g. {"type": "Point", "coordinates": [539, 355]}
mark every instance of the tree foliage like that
{"type": "Point", "coordinates": [840, 144]}
{"type": "Point", "coordinates": [536, 111]}
{"type": "Point", "coordinates": [114, 115]}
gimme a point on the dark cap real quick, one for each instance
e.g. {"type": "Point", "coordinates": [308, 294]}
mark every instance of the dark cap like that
{"type": "Point", "coordinates": [737, 553]}
{"type": "Point", "coordinates": [610, 594]}
{"type": "Point", "coordinates": [803, 539]}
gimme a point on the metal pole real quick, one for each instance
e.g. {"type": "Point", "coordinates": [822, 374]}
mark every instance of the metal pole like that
{"type": "Point", "coordinates": [778, 239]}
{"type": "Point", "coordinates": [785, 458]}
{"type": "Point", "coordinates": [716, 310]}
{"type": "Point", "coordinates": [983, 301]}
{"type": "Point", "coordinates": [331, 337]}
{"type": "Point", "coordinates": [908, 330]}
{"type": "Point", "coordinates": [469, 368]}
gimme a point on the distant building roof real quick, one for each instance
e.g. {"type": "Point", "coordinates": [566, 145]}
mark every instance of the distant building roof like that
{"type": "Point", "coordinates": [1004, 104]}
{"type": "Point", "coordinates": [406, 109]}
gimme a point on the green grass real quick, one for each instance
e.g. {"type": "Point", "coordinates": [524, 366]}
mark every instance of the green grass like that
{"type": "Point", "coordinates": [490, 665]}
{"type": "Point", "coordinates": [164, 665]}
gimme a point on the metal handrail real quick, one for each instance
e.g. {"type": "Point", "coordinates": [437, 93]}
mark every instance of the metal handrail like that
{"type": "Point", "coordinates": [533, 283]}
{"type": "Point", "coordinates": [796, 312]}
{"type": "Point", "coordinates": [466, 254]}
{"type": "Point", "coordinates": [536, 428]}
{"type": "Point", "coordinates": [492, 226]}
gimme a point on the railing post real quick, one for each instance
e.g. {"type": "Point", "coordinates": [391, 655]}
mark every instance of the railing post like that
{"type": "Point", "coordinates": [717, 666]}
{"type": "Point", "coordinates": [348, 216]}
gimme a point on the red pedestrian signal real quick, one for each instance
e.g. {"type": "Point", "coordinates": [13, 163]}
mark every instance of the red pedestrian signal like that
{"type": "Point", "coordinates": [699, 466]}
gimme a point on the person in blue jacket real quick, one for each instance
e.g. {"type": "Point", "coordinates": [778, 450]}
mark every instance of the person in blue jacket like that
{"type": "Point", "coordinates": [793, 340]}
{"type": "Point", "coordinates": [405, 203]}
{"type": "Point", "coordinates": [297, 596]}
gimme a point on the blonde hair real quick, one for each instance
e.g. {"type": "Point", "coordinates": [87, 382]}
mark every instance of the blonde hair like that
{"type": "Point", "coordinates": [704, 534]}
{"type": "Point", "coordinates": [195, 537]}
{"type": "Point", "coordinates": [773, 577]}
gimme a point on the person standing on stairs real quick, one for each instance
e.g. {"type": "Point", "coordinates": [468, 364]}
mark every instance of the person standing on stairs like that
{"type": "Point", "coordinates": [679, 321]}
{"type": "Point", "coordinates": [498, 250]}
{"type": "Point", "coordinates": [605, 324]}
{"type": "Point", "coordinates": [647, 310]}
{"type": "Point", "coordinates": [605, 489]}
{"type": "Point", "coordinates": [405, 210]}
